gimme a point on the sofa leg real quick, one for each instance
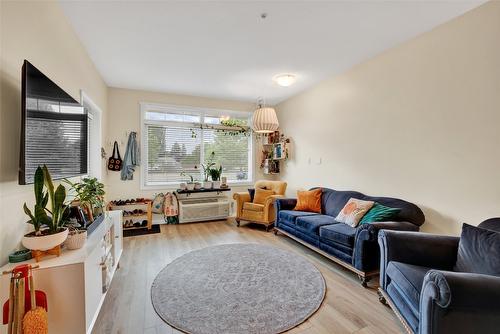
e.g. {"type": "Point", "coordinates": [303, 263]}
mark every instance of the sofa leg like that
{"type": "Point", "coordinates": [364, 280]}
{"type": "Point", "coordinates": [381, 298]}
{"type": "Point", "coordinates": [275, 231]}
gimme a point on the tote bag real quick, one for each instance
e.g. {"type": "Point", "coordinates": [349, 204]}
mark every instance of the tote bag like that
{"type": "Point", "coordinates": [115, 162]}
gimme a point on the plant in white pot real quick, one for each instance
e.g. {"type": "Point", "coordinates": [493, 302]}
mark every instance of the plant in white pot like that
{"type": "Point", "coordinates": [215, 174]}
{"type": "Point", "coordinates": [207, 166]}
{"type": "Point", "coordinates": [50, 230]}
{"type": "Point", "coordinates": [190, 183]}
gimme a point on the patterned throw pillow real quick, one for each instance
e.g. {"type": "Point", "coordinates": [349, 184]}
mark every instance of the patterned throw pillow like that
{"type": "Point", "coordinates": [261, 195]}
{"type": "Point", "coordinates": [379, 213]}
{"type": "Point", "coordinates": [309, 201]}
{"type": "Point", "coordinates": [353, 211]}
{"type": "Point", "coordinates": [157, 206]}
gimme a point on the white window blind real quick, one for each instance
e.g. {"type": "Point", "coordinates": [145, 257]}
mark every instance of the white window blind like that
{"type": "Point", "coordinates": [177, 140]}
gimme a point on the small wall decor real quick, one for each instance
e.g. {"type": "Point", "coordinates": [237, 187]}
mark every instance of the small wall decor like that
{"type": "Point", "coordinates": [274, 150]}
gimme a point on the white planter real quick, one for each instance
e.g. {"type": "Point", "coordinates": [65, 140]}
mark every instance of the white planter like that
{"type": "Point", "coordinates": [190, 186]}
{"type": "Point", "coordinates": [216, 184]}
{"type": "Point", "coordinates": [207, 184]}
{"type": "Point", "coordinates": [197, 185]}
{"type": "Point", "coordinates": [44, 242]}
{"type": "Point", "coordinates": [183, 186]}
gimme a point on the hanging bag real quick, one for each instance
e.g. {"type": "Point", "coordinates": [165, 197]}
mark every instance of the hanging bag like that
{"type": "Point", "coordinates": [115, 162]}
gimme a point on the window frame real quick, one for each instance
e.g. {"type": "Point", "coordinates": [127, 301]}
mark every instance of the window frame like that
{"type": "Point", "coordinates": [182, 109]}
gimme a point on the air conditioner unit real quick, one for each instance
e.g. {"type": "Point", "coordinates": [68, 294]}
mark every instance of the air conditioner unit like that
{"type": "Point", "coordinates": [195, 209]}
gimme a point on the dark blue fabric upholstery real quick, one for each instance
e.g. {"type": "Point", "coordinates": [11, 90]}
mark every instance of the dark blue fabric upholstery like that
{"type": "Point", "coordinates": [409, 279]}
{"type": "Point", "coordinates": [478, 251]}
{"type": "Point", "coordinates": [291, 216]}
{"type": "Point", "coordinates": [416, 274]}
{"type": "Point", "coordinates": [335, 251]}
{"type": "Point", "coordinates": [339, 233]}
{"type": "Point", "coordinates": [357, 246]}
{"type": "Point", "coordinates": [314, 222]}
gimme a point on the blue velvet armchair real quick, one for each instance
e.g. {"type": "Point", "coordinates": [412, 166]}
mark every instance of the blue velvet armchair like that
{"type": "Point", "coordinates": [418, 282]}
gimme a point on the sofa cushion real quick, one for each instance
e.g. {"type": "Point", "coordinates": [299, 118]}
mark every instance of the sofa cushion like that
{"type": "Point", "coordinates": [290, 215]}
{"type": "Point", "coordinates": [261, 195]}
{"type": "Point", "coordinates": [478, 251]}
{"type": "Point", "coordinates": [353, 211]}
{"type": "Point", "coordinates": [379, 213]}
{"type": "Point", "coordinates": [253, 207]}
{"type": "Point", "coordinates": [309, 200]}
{"type": "Point", "coordinates": [339, 233]}
{"type": "Point", "coordinates": [409, 280]}
{"type": "Point", "coordinates": [313, 223]}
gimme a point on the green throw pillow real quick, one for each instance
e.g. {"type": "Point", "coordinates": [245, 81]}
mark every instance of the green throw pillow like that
{"type": "Point", "coordinates": [379, 213]}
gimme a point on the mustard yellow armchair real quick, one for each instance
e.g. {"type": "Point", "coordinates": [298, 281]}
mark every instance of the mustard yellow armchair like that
{"type": "Point", "coordinates": [259, 213]}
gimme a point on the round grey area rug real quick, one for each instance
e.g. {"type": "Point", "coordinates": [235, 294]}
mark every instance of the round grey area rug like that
{"type": "Point", "coordinates": [237, 288]}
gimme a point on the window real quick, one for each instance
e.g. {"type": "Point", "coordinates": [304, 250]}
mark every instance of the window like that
{"type": "Point", "coordinates": [94, 136]}
{"type": "Point", "coordinates": [177, 140]}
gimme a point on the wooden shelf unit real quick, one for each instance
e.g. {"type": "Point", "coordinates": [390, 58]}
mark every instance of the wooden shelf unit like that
{"type": "Point", "coordinates": [148, 214]}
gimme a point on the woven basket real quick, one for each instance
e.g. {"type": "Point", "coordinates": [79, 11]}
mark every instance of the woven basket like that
{"type": "Point", "coordinates": [76, 239]}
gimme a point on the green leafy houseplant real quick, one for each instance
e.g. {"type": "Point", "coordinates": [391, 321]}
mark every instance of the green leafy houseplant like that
{"type": "Point", "coordinates": [208, 165]}
{"type": "Point", "coordinates": [47, 221]}
{"type": "Point", "coordinates": [215, 173]}
{"type": "Point", "coordinates": [90, 193]}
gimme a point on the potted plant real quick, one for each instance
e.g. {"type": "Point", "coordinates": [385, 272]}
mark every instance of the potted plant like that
{"type": "Point", "coordinates": [190, 183]}
{"type": "Point", "coordinates": [50, 231]}
{"type": "Point", "coordinates": [215, 174]}
{"type": "Point", "coordinates": [89, 194]}
{"type": "Point", "coordinates": [207, 166]}
{"type": "Point", "coordinates": [76, 238]}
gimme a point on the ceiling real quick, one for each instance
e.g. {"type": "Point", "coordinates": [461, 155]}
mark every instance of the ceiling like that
{"type": "Point", "coordinates": [226, 50]}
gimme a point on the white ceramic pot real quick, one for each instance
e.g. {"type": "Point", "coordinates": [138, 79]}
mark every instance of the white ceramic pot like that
{"type": "Point", "coordinates": [197, 185]}
{"type": "Point", "coordinates": [190, 186]}
{"type": "Point", "coordinates": [216, 184]}
{"type": "Point", "coordinates": [44, 242]}
{"type": "Point", "coordinates": [183, 186]}
{"type": "Point", "coordinates": [207, 184]}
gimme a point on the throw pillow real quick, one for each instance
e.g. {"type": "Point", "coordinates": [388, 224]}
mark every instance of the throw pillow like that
{"type": "Point", "coordinates": [261, 195]}
{"type": "Point", "coordinates": [379, 213]}
{"type": "Point", "coordinates": [353, 211]}
{"type": "Point", "coordinates": [309, 200]}
{"type": "Point", "coordinates": [478, 251]}
{"type": "Point", "coordinates": [157, 205]}
{"type": "Point", "coordinates": [252, 193]}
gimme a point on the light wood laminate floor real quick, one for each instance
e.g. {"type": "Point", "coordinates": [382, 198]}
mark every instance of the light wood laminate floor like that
{"type": "Point", "coordinates": [127, 309]}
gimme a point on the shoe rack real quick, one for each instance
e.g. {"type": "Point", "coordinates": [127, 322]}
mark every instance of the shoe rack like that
{"type": "Point", "coordinates": [134, 211]}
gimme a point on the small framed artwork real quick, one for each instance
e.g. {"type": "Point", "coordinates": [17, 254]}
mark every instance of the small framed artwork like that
{"type": "Point", "coordinates": [279, 151]}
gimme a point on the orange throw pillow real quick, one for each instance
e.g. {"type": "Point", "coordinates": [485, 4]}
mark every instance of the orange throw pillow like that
{"type": "Point", "coordinates": [261, 195]}
{"type": "Point", "coordinates": [309, 200]}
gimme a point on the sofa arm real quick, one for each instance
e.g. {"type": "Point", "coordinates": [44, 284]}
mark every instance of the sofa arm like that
{"type": "Point", "coordinates": [421, 249]}
{"type": "Point", "coordinates": [453, 302]}
{"type": "Point", "coordinates": [285, 204]}
{"type": "Point", "coordinates": [240, 198]}
{"type": "Point", "coordinates": [269, 208]}
{"type": "Point", "coordinates": [370, 231]}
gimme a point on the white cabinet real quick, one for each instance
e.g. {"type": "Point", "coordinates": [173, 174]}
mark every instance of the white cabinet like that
{"type": "Point", "coordinates": [73, 281]}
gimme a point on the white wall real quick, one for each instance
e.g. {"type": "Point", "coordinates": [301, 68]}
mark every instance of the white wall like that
{"type": "Point", "coordinates": [37, 31]}
{"type": "Point", "coordinates": [421, 122]}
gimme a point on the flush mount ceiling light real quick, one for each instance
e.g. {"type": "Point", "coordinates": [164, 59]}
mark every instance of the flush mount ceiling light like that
{"type": "Point", "coordinates": [264, 119]}
{"type": "Point", "coordinates": [285, 80]}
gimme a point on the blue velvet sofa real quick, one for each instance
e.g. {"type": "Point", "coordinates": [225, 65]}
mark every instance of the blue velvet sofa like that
{"type": "Point", "coordinates": [354, 248]}
{"type": "Point", "coordinates": [426, 294]}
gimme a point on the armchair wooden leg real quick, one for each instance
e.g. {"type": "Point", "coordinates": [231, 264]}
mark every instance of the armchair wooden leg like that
{"type": "Point", "coordinates": [238, 222]}
{"type": "Point", "coordinates": [381, 297]}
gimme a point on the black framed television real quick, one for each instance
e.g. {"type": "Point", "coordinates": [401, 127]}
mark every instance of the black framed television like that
{"type": "Point", "coordinates": [54, 129]}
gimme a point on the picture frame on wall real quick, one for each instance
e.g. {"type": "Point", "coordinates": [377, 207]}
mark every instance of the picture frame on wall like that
{"type": "Point", "coordinates": [279, 151]}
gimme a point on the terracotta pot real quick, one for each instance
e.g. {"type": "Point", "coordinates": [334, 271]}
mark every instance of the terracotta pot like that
{"type": "Point", "coordinates": [44, 242]}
